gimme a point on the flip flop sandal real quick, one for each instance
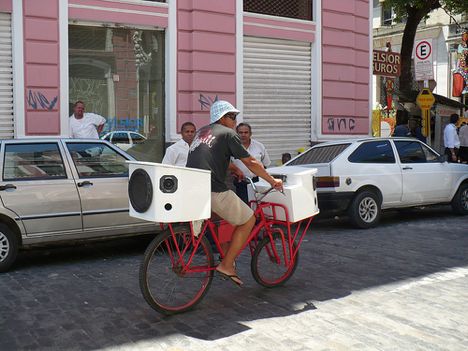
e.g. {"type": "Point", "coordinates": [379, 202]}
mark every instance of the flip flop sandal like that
{"type": "Point", "coordinates": [232, 277]}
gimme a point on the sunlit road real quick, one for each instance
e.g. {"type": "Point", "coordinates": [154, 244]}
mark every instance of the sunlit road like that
{"type": "Point", "coordinates": [401, 286]}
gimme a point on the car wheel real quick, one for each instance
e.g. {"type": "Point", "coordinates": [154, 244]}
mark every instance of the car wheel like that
{"type": "Point", "coordinates": [460, 200]}
{"type": "Point", "coordinates": [8, 247]}
{"type": "Point", "coordinates": [364, 211]}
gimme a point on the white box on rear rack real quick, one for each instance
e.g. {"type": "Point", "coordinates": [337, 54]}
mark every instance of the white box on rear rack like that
{"type": "Point", "coordinates": [300, 195]}
{"type": "Point", "coordinates": [166, 193]}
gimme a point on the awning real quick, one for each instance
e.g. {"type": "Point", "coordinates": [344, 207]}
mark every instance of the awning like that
{"type": "Point", "coordinates": [439, 99]}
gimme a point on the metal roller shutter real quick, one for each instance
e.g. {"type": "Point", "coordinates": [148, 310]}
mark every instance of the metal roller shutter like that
{"type": "Point", "coordinates": [277, 93]}
{"type": "Point", "coordinates": [6, 78]}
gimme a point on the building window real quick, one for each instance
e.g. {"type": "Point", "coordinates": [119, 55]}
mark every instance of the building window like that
{"type": "Point", "coordinates": [119, 74]}
{"type": "Point", "coordinates": [299, 9]}
{"type": "Point", "coordinates": [387, 16]}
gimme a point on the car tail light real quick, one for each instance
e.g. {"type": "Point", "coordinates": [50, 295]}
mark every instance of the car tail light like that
{"type": "Point", "coordinates": [328, 182]}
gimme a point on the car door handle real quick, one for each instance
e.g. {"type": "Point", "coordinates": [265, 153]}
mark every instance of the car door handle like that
{"type": "Point", "coordinates": [7, 186]}
{"type": "Point", "coordinates": [86, 182]}
{"type": "Point", "coordinates": [407, 167]}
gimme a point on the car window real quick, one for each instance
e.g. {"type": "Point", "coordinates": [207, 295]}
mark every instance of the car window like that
{"type": "Point", "coordinates": [319, 154]}
{"type": "Point", "coordinates": [431, 156]}
{"type": "Point", "coordinates": [137, 138]}
{"type": "Point", "coordinates": [107, 137]}
{"type": "Point", "coordinates": [33, 161]}
{"type": "Point", "coordinates": [121, 138]}
{"type": "Point", "coordinates": [97, 160]}
{"type": "Point", "coordinates": [412, 152]}
{"type": "Point", "coordinates": [373, 152]}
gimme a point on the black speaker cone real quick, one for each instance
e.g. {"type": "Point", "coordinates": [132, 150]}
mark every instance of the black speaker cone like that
{"type": "Point", "coordinates": [168, 184]}
{"type": "Point", "coordinates": [140, 190]}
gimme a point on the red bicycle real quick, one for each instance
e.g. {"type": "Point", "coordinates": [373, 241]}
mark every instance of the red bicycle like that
{"type": "Point", "coordinates": [178, 266]}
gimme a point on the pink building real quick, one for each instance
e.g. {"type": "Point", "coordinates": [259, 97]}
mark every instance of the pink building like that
{"type": "Point", "coordinates": [299, 70]}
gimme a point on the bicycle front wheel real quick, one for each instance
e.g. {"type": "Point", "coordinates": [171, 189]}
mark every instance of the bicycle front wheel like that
{"type": "Point", "coordinates": [271, 263]}
{"type": "Point", "coordinates": [168, 284]}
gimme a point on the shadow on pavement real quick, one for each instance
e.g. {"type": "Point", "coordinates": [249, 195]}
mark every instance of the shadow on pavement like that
{"type": "Point", "coordinates": [87, 296]}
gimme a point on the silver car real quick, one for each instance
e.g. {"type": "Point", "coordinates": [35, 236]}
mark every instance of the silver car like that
{"type": "Point", "coordinates": [62, 189]}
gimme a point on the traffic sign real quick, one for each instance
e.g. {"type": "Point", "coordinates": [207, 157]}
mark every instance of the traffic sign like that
{"type": "Point", "coordinates": [425, 99]}
{"type": "Point", "coordinates": [423, 50]}
{"type": "Point", "coordinates": [423, 67]}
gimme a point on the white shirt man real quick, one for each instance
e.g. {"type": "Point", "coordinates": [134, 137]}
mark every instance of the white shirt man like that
{"type": "Point", "coordinates": [85, 125]}
{"type": "Point", "coordinates": [255, 149]}
{"type": "Point", "coordinates": [451, 141]}
{"type": "Point", "coordinates": [177, 153]}
{"type": "Point", "coordinates": [463, 135]}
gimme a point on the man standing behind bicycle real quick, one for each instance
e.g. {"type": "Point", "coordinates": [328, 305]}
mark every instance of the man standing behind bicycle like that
{"type": "Point", "coordinates": [212, 149]}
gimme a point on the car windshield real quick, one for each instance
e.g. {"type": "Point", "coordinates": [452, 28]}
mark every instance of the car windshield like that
{"type": "Point", "coordinates": [319, 154]}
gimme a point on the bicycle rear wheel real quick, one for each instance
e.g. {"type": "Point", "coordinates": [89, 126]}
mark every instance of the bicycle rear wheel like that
{"type": "Point", "coordinates": [268, 263]}
{"type": "Point", "coordinates": [165, 283]}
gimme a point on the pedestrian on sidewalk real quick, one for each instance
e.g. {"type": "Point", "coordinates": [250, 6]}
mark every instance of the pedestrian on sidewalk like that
{"type": "Point", "coordinates": [451, 140]}
{"type": "Point", "coordinates": [177, 153]}
{"type": "Point", "coordinates": [257, 150]}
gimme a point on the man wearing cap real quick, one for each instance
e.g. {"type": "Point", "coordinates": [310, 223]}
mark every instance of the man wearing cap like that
{"type": "Point", "coordinates": [212, 149]}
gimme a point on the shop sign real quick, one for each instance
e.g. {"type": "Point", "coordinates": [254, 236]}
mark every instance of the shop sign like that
{"type": "Point", "coordinates": [386, 63]}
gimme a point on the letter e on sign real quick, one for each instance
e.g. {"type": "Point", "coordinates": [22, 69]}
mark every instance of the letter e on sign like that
{"type": "Point", "coordinates": [423, 50]}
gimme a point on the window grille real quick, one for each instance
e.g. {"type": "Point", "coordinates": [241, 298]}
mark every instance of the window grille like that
{"type": "Point", "coordinates": [298, 9]}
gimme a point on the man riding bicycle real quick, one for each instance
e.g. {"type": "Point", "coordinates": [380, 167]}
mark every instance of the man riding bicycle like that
{"type": "Point", "coordinates": [212, 149]}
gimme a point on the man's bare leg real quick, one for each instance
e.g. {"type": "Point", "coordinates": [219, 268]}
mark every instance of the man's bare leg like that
{"type": "Point", "coordinates": [240, 235]}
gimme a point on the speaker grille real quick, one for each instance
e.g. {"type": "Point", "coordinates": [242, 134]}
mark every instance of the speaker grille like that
{"type": "Point", "coordinates": [140, 190]}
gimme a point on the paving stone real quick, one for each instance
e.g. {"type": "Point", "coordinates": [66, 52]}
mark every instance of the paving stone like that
{"type": "Point", "coordinates": [400, 286]}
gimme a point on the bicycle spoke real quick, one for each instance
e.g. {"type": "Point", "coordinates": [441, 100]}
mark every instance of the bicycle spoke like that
{"type": "Point", "coordinates": [167, 283]}
{"type": "Point", "coordinates": [271, 264]}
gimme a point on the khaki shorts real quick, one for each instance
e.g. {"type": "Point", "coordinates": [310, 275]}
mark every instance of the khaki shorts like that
{"type": "Point", "coordinates": [230, 207]}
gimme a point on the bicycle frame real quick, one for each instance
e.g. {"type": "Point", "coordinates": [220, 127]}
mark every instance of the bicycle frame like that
{"type": "Point", "coordinates": [265, 222]}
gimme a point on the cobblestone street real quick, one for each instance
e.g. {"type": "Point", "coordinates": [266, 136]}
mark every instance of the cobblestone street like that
{"type": "Point", "coordinates": [400, 286]}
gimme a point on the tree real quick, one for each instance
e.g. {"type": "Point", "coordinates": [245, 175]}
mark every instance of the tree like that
{"type": "Point", "coordinates": [414, 11]}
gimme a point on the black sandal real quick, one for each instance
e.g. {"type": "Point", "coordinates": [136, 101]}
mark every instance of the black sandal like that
{"type": "Point", "coordinates": [231, 277]}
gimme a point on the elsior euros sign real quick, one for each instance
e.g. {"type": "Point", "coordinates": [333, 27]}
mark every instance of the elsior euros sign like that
{"type": "Point", "coordinates": [386, 63]}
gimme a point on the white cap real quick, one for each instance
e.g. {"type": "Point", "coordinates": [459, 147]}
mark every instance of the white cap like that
{"type": "Point", "coordinates": [219, 109]}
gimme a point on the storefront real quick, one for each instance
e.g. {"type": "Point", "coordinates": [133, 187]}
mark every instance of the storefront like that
{"type": "Point", "coordinates": [298, 70]}
{"type": "Point", "coordinates": [119, 73]}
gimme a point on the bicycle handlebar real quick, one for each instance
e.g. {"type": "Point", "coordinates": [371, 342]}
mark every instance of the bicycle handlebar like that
{"type": "Point", "coordinates": [257, 192]}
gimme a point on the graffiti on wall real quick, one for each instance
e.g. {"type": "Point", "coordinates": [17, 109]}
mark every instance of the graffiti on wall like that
{"type": "Point", "coordinates": [38, 101]}
{"type": "Point", "coordinates": [341, 124]}
{"type": "Point", "coordinates": [206, 101]}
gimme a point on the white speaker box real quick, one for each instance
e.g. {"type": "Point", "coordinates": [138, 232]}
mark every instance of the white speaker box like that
{"type": "Point", "coordinates": [165, 193]}
{"type": "Point", "coordinates": [300, 195]}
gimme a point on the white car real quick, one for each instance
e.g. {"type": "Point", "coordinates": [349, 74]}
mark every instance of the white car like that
{"type": "Point", "coordinates": [362, 176]}
{"type": "Point", "coordinates": [124, 139]}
